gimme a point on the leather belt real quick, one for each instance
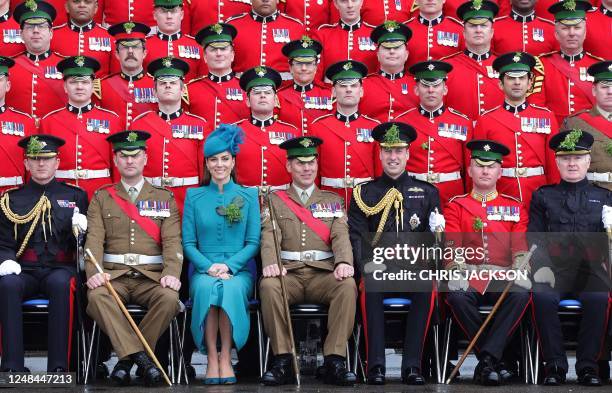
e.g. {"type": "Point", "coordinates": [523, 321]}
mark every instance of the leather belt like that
{"type": "Point", "coordinates": [602, 177]}
{"type": "Point", "coordinates": [306, 256]}
{"type": "Point", "coordinates": [11, 181]}
{"type": "Point", "coordinates": [523, 171]}
{"type": "Point", "coordinates": [343, 182]}
{"type": "Point", "coordinates": [173, 181]}
{"type": "Point", "coordinates": [437, 177]}
{"type": "Point", "coordinates": [82, 174]}
{"type": "Point", "coordinates": [134, 259]}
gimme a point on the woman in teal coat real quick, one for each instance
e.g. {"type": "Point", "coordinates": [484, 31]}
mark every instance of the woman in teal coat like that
{"type": "Point", "coordinates": [221, 231]}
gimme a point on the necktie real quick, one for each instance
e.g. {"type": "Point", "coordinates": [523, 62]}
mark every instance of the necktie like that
{"type": "Point", "coordinates": [133, 193]}
{"type": "Point", "coordinates": [304, 196]}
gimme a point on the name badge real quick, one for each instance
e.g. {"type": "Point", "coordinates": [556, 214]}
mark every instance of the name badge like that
{"type": "Point", "coordinates": [12, 128]}
{"type": "Point", "coordinates": [281, 35]}
{"type": "Point", "coordinates": [364, 135]}
{"type": "Point", "coordinates": [535, 125]}
{"type": "Point", "coordinates": [154, 208]}
{"type": "Point", "coordinates": [187, 132]}
{"type": "Point", "coordinates": [96, 125]}
{"type": "Point", "coordinates": [454, 131]}
{"type": "Point", "coordinates": [144, 95]}
{"type": "Point", "coordinates": [326, 210]}
{"type": "Point", "coordinates": [278, 137]}
{"type": "Point", "coordinates": [233, 94]}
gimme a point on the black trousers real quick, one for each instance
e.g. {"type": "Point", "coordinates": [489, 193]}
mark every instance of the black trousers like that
{"type": "Point", "coordinates": [591, 334]}
{"type": "Point", "coordinates": [51, 283]}
{"type": "Point", "coordinates": [417, 322]}
{"type": "Point", "coordinates": [464, 307]}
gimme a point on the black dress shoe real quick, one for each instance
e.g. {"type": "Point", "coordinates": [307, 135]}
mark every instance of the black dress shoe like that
{"type": "Point", "coordinates": [588, 377]}
{"type": "Point", "coordinates": [376, 376]}
{"type": "Point", "coordinates": [280, 373]}
{"type": "Point", "coordinates": [151, 374]}
{"type": "Point", "coordinates": [336, 372]}
{"type": "Point", "coordinates": [507, 372]}
{"type": "Point", "coordinates": [486, 373]}
{"type": "Point", "coordinates": [101, 371]}
{"type": "Point", "coordinates": [554, 376]}
{"type": "Point", "coordinates": [412, 376]}
{"type": "Point", "coordinates": [604, 371]}
{"type": "Point", "coordinates": [191, 372]}
{"type": "Point", "coordinates": [59, 370]}
{"type": "Point", "coordinates": [121, 372]}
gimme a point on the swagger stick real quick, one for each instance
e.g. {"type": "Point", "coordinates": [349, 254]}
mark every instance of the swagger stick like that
{"type": "Point", "coordinates": [110, 288]}
{"type": "Point", "coordinates": [489, 317]}
{"type": "Point", "coordinates": [296, 368]}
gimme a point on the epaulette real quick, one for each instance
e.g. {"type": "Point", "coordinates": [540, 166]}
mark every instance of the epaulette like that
{"type": "Point", "coordinates": [194, 115]}
{"type": "Point", "coordinates": [414, 6]}
{"type": "Point", "coordinates": [285, 123]}
{"type": "Point", "coordinates": [109, 76]}
{"type": "Point", "coordinates": [454, 20]}
{"type": "Point", "coordinates": [501, 18]}
{"type": "Point", "coordinates": [371, 74]}
{"type": "Point", "coordinates": [511, 197]}
{"type": "Point", "coordinates": [239, 121]}
{"type": "Point", "coordinates": [600, 187]}
{"type": "Point", "coordinates": [546, 109]}
{"type": "Point", "coordinates": [451, 55]}
{"type": "Point", "coordinates": [105, 110]}
{"type": "Point", "coordinates": [456, 112]}
{"type": "Point", "coordinates": [60, 55]}
{"type": "Point", "coordinates": [17, 55]}
{"type": "Point", "coordinates": [547, 53]}
{"type": "Point", "coordinates": [53, 111]}
{"type": "Point", "coordinates": [327, 25]}
{"type": "Point", "coordinates": [12, 189]}
{"type": "Point", "coordinates": [19, 112]}
{"type": "Point", "coordinates": [162, 188]}
{"type": "Point", "coordinates": [103, 188]}
{"type": "Point", "coordinates": [72, 185]}
{"type": "Point", "coordinates": [457, 196]}
{"type": "Point", "coordinates": [322, 117]}
{"type": "Point", "coordinates": [97, 88]}
{"type": "Point", "coordinates": [545, 20]}
{"type": "Point", "coordinates": [291, 18]}
{"type": "Point", "coordinates": [231, 18]}
{"type": "Point", "coordinates": [411, 19]}
{"type": "Point", "coordinates": [190, 36]}
{"type": "Point", "coordinates": [594, 57]}
{"type": "Point", "coordinates": [142, 115]}
{"type": "Point", "coordinates": [100, 26]}
{"type": "Point", "coordinates": [60, 26]}
{"type": "Point", "coordinates": [405, 112]}
{"type": "Point", "coordinates": [368, 25]}
{"type": "Point", "coordinates": [490, 110]}
{"type": "Point", "coordinates": [370, 118]}
{"type": "Point", "coordinates": [199, 78]}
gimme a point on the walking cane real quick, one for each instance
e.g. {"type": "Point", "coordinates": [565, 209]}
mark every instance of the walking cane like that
{"type": "Point", "coordinates": [489, 317]}
{"type": "Point", "coordinates": [79, 301]}
{"type": "Point", "coordinates": [110, 288]}
{"type": "Point", "coordinates": [436, 328]}
{"type": "Point", "coordinates": [279, 263]}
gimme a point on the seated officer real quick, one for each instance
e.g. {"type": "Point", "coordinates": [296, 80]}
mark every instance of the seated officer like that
{"type": "Point", "coordinates": [142, 254]}
{"type": "Point", "coordinates": [37, 249]}
{"type": "Point", "coordinates": [571, 264]}
{"type": "Point", "coordinates": [473, 221]}
{"type": "Point", "coordinates": [317, 269]}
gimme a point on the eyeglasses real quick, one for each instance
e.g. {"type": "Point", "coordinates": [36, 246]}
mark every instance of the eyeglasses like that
{"type": "Point", "coordinates": [40, 27]}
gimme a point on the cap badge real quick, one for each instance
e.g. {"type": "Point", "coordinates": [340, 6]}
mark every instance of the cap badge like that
{"type": "Point", "coordinates": [128, 27]}
{"type": "Point", "coordinates": [132, 137]}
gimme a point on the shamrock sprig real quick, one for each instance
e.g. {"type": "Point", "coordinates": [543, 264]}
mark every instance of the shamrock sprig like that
{"type": "Point", "coordinates": [232, 212]}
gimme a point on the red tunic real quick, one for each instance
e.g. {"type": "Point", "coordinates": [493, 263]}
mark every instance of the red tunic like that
{"type": "Point", "coordinates": [473, 86]}
{"type": "Point", "coordinates": [85, 159]}
{"type": "Point", "coordinates": [438, 154]}
{"type": "Point", "coordinates": [432, 40]}
{"type": "Point", "coordinates": [343, 42]}
{"type": "Point", "coordinates": [175, 155]}
{"type": "Point", "coordinates": [208, 12]}
{"type": "Point", "coordinates": [385, 96]}
{"type": "Point", "coordinates": [312, 13]}
{"type": "Point", "coordinates": [127, 97]}
{"type": "Point", "coordinates": [504, 223]}
{"type": "Point", "coordinates": [62, 15]}
{"type": "Point", "coordinates": [177, 45]}
{"type": "Point", "coordinates": [259, 40]}
{"type": "Point", "coordinates": [375, 12]}
{"type": "Point", "coordinates": [300, 106]}
{"type": "Point", "coordinates": [349, 154]}
{"type": "Point", "coordinates": [38, 85]}
{"type": "Point", "coordinates": [225, 92]}
{"type": "Point", "coordinates": [119, 11]}
{"type": "Point", "coordinates": [532, 34]}
{"type": "Point", "coordinates": [14, 126]}
{"type": "Point", "coordinates": [526, 132]}
{"type": "Point", "coordinates": [599, 33]}
{"type": "Point", "coordinates": [260, 162]}
{"type": "Point", "coordinates": [12, 44]}
{"type": "Point", "coordinates": [90, 40]}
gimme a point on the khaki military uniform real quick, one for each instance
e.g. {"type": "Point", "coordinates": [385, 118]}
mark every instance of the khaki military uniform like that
{"type": "Point", "coordinates": [308, 280]}
{"type": "Point", "coordinates": [111, 231]}
{"type": "Point", "coordinates": [592, 121]}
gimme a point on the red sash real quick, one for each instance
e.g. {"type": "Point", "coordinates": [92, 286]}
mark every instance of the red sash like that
{"type": "Point", "coordinates": [262, 139]}
{"type": "Point", "coordinates": [430, 129]}
{"type": "Point", "coordinates": [507, 120]}
{"type": "Point", "coordinates": [147, 224]}
{"type": "Point", "coordinates": [305, 215]}
{"type": "Point", "coordinates": [597, 122]}
{"type": "Point", "coordinates": [564, 67]}
{"type": "Point", "coordinates": [218, 92]}
{"type": "Point", "coordinates": [77, 128]}
{"type": "Point", "coordinates": [56, 88]}
{"type": "Point", "coordinates": [468, 62]}
{"type": "Point", "coordinates": [120, 88]}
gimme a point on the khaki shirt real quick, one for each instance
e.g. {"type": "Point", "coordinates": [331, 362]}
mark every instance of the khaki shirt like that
{"type": "Point", "coordinates": [111, 231]}
{"type": "Point", "coordinates": [295, 235]}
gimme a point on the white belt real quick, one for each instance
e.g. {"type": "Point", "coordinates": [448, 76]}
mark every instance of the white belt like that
{"type": "Point", "coordinates": [82, 174]}
{"type": "Point", "coordinates": [11, 181]}
{"type": "Point", "coordinates": [134, 259]}
{"type": "Point", "coordinates": [266, 189]}
{"type": "Point", "coordinates": [343, 182]}
{"type": "Point", "coordinates": [173, 181]}
{"type": "Point", "coordinates": [523, 172]}
{"type": "Point", "coordinates": [436, 177]}
{"type": "Point", "coordinates": [306, 256]}
{"type": "Point", "coordinates": [603, 177]}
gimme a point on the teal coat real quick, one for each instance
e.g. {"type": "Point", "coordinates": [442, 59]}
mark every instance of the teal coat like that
{"type": "Point", "coordinates": [209, 238]}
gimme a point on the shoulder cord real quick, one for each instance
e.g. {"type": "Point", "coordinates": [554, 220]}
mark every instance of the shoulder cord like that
{"type": "Point", "coordinates": [42, 206]}
{"type": "Point", "coordinates": [394, 198]}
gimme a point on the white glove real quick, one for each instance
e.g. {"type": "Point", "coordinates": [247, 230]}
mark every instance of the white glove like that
{"type": "Point", "coordinates": [545, 276]}
{"type": "Point", "coordinates": [458, 285]}
{"type": "Point", "coordinates": [437, 223]}
{"type": "Point", "coordinates": [525, 283]}
{"type": "Point", "coordinates": [79, 220]}
{"type": "Point", "coordinates": [606, 216]}
{"type": "Point", "coordinates": [9, 267]}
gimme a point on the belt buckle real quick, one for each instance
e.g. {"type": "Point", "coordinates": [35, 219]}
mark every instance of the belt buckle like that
{"type": "Point", "coordinates": [81, 174]}
{"type": "Point", "coordinates": [521, 171]}
{"type": "Point", "coordinates": [131, 259]}
{"type": "Point", "coordinates": [307, 256]}
{"type": "Point", "coordinates": [433, 177]}
{"type": "Point", "coordinates": [263, 190]}
{"type": "Point", "coordinates": [167, 181]}
{"type": "Point", "coordinates": [349, 182]}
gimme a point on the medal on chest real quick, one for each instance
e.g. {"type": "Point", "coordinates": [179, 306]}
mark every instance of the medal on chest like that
{"type": "Point", "coordinates": [454, 131]}
{"type": "Point", "coordinates": [280, 35]}
{"type": "Point", "coordinates": [144, 95]}
{"type": "Point", "coordinates": [97, 125]}
{"type": "Point", "coordinates": [537, 35]}
{"type": "Point", "coordinates": [365, 44]}
{"type": "Point", "coordinates": [11, 36]}
{"type": "Point", "coordinates": [503, 213]}
{"type": "Point", "coordinates": [326, 210]}
{"type": "Point", "coordinates": [233, 94]}
{"type": "Point", "coordinates": [189, 51]}
{"type": "Point", "coordinates": [278, 137]}
{"type": "Point", "coordinates": [100, 44]}
{"type": "Point", "coordinates": [13, 128]}
{"type": "Point", "coordinates": [445, 38]}
{"type": "Point", "coordinates": [183, 131]}
{"type": "Point", "coordinates": [154, 208]}
{"type": "Point", "coordinates": [491, 73]}
{"type": "Point", "coordinates": [535, 125]}
{"type": "Point", "coordinates": [66, 203]}
{"type": "Point", "coordinates": [584, 76]}
{"type": "Point", "coordinates": [364, 135]}
{"type": "Point", "coordinates": [51, 72]}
